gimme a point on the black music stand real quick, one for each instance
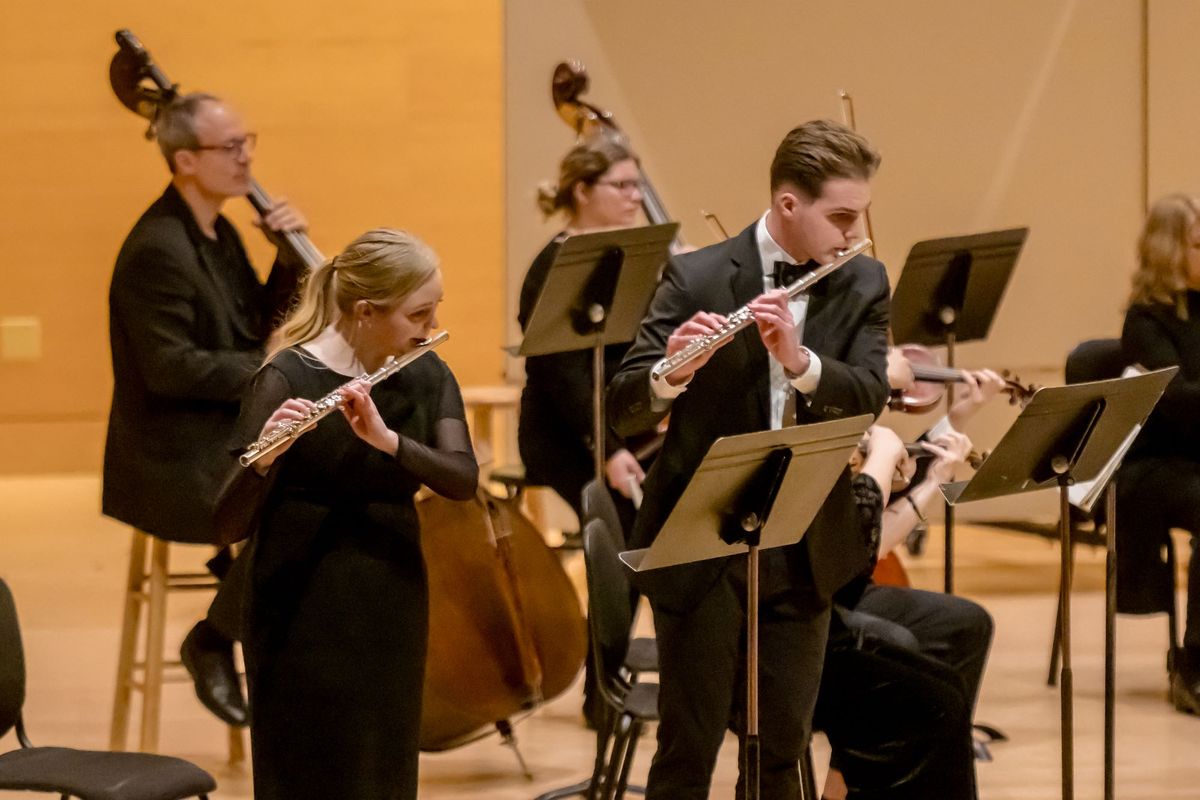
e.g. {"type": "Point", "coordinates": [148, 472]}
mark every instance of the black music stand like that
{"type": "Point", "coordinates": [1065, 434]}
{"type": "Point", "coordinates": [596, 293]}
{"type": "Point", "coordinates": [948, 293]}
{"type": "Point", "coordinates": [753, 492]}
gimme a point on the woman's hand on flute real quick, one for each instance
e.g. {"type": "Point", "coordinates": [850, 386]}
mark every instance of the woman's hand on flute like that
{"type": "Point", "coordinates": [360, 411]}
{"type": "Point", "coordinates": [292, 410]}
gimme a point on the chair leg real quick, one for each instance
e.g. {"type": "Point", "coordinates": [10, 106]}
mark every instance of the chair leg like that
{"type": "Point", "coordinates": [237, 746]}
{"type": "Point", "coordinates": [604, 737]}
{"type": "Point", "coordinates": [119, 727]}
{"type": "Point", "coordinates": [1172, 611]}
{"type": "Point", "coordinates": [156, 624]}
{"type": "Point", "coordinates": [621, 736]}
{"type": "Point", "coordinates": [631, 743]}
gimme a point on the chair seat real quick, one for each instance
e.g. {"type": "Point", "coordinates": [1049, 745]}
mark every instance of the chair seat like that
{"type": "Point", "coordinates": [642, 701]}
{"type": "Point", "coordinates": [92, 775]}
{"type": "Point", "coordinates": [642, 655]}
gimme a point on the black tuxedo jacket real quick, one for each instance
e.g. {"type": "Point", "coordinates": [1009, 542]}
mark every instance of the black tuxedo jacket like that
{"type": "Point", "coordinates": [846, 326]}
{"type": "Point", "coordinates": [187, 323]}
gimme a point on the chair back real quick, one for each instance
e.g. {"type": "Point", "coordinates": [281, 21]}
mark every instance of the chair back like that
{"type": "Point", "coordinates": [12, 662]}
{"type": "Point", "coordinates": [598, 503]}
{"type": "Point", "coordinates": [1095, 360]}
{"type": "Point", "coordinates": [609, 614]}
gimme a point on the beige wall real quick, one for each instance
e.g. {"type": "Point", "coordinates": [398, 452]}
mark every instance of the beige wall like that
{"type": "Point", "coordinates": [369, 112]}
{"type": "Point", "coordinates": [989, 115]}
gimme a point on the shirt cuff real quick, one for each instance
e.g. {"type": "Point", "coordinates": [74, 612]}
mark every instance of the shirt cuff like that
{"type": "Point", "coordinates": [808, 381]}
{"type": "Point", "coordinates": [943, 426]}
{"type": "Point", "coordinates": [663, 390]}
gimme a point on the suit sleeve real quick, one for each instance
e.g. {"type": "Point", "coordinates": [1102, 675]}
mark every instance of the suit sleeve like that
{"type": "Point", "coordinates": [632, 406]}
{"type": "Point", "coordinates": [855, 381]}
{"type": "Point", "coordinates": [153, 298]}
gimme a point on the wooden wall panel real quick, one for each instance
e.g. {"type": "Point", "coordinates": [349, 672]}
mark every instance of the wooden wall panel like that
{"type": "Point", "coordinates": [369, 113]}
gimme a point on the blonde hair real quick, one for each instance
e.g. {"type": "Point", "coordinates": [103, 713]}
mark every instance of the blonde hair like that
{"type": "Point", "coordinates": [1161, 275]}
{"type": "Point", "coordinates": [383, 266]}
{"type": "Point", "coordinates": [585, 163]}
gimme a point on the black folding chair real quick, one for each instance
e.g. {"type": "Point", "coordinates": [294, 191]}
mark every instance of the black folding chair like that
{"type": "Point", "coordinates": [86, 774]}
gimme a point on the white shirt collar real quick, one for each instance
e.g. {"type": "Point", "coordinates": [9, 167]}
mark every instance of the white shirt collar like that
{"type": "Point", "coordinates": [332, 349]}
{"type": "Point", "coordinates": [769, 250]}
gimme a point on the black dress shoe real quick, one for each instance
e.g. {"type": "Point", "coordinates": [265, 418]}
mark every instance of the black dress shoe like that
{"type": "Point", "coordinates": [215, 677]}
{"type": "Point", "coordinates": [1185, 692]}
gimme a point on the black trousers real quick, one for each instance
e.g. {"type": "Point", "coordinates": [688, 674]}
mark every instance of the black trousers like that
{"type": "Point", "coordinates": [949, 629]}
{"type": "Point", "coordinates": [1153, 496]}
{"type": "Point", "coordinates": [899, 722]}
{"type": "Point", "coordinates": [702, 685]}
{"type": "Point", "coordinates": [226, 613]}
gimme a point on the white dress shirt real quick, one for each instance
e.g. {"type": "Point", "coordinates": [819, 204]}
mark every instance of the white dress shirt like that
{"type": "Point", "coordinates": [769, 252]}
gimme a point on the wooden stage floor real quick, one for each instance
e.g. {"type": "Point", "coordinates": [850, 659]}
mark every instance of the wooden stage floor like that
{"type": "Point", "coordinates": [66, 565]}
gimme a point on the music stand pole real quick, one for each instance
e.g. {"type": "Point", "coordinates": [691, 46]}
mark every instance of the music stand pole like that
{"type": "Point", "coordinates": [751, 751]}
{"type": "Point", "coordinates": [1110, 635]}
{"type": "Point", "coordinates": [948, 519]}
{"type": "Point", "coordinates": [1062, 467]}
{"type": "Point", "coordinates": [598, 437]}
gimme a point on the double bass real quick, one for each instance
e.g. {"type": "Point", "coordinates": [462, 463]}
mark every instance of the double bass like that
{"type": "Point", "coordinates": [506, 632]}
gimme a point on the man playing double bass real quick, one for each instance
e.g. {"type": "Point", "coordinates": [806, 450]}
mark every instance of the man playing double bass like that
{"type": "Point", "coordinates": [819, 190]}
{"type": "Point", "coordinates": [188, 319]}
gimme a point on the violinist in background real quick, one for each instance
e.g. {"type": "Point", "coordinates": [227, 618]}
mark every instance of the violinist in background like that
{"type": "Point", "coordinates": [888, 621]}
{"type": "Point", "coordinates": [897, 714]}
{"type": "Point", "coordinates": [188, 320]}
{"type": "Point", "coordinates": [1158, 485]}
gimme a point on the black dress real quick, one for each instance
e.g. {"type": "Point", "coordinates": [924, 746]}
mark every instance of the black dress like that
{"type": "Point", "coordinates": [555, 428]}
{"type": "Point", "coordinates": [336, 635]}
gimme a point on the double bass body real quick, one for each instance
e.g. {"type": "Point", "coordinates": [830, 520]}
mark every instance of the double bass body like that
{"type": "Point", "coordinates": [505, 629]}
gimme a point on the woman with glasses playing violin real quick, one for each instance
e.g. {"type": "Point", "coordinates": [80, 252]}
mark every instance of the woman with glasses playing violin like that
{"type": "Point", "coordinates": [188, 319]}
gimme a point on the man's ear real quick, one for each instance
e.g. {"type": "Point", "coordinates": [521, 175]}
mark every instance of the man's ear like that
{"type": "Point", "coordinates": [185, 162]}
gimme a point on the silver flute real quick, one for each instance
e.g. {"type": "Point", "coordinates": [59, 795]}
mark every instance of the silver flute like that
{"type": "Point", "coordinates": [743, 317]}
{"type": "Point", "coordinates": [285, 432]}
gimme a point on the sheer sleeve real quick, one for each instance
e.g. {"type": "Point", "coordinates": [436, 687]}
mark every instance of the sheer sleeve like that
{"type": "Point", "coordinates": [448, 467]}
{"type": "Point", "coordinates": [244, 489]}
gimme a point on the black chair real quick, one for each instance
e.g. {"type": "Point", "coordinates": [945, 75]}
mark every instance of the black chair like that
{"type": "Point", "coordinates": [598, 504]}
{"type": "Point", "coordinates": [631, 705]}
{"type": "Point", "coordinates": [1097, 360]}
{"type": "Point", "coordinates": [85, 774]}
{"type": "Point", "coordinates": [628, 703]}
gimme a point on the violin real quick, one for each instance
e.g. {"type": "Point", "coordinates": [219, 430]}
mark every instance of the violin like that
{"type": "Point", "coordinates": [143, 88]}
{"type": "Point", "coordinates": [932, 377]}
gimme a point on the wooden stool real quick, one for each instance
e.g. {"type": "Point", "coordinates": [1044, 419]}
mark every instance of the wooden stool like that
{"type": "Point", "coordinates": [150, 586]}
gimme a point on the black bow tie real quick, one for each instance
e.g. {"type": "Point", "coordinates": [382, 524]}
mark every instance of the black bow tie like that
{"type": "Point", "coordinates": [787, 273]}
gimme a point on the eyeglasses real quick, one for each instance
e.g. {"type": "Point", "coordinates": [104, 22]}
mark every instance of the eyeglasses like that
{"type": "Point", "coordinates": [625, 186]}
{"type": "Point", "coordinates": [234, 147]}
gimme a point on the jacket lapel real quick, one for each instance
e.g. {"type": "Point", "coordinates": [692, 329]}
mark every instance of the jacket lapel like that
{"type": "Point", "coordinates": [233, 308]}
{"type": "Point", "coordinates": [746, 283]}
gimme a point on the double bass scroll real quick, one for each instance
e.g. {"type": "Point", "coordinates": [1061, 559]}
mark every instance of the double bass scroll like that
{"type": "Point", "coordinates": [144, 89]}
{"type": "Point", "coordinates": [569, 82]}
